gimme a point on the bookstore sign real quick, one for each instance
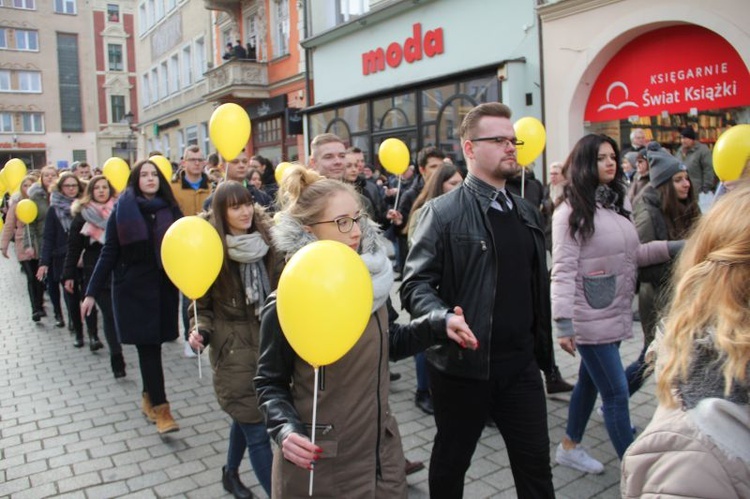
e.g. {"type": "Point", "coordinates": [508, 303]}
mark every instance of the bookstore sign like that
{"type": "Point", "coordinates": [680, 69]}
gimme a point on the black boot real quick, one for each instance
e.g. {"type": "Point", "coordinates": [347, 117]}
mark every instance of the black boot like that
{"type": "Point", "coordinates": [231, 481]}
{"type": "Point", "coordinates": [118, 365]}
{"type": "Point", "coordinates": [59, 322]}
{"type": "Point", "coordinates": [555, 383]}
{"type": "Point", "coordinates": [78, 343]}
{"type": "Point", "coordinates": [423, 400]}
{"type": "Point", "coordinates": [94, 343]}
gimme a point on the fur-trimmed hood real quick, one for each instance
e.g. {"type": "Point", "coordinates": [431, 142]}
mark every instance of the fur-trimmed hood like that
{"type": "Point", "coordinates": [289, 236]}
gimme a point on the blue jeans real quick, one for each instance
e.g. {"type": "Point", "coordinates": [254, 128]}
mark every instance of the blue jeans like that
{"type": "Point", "coordinates": [254, 438]}
{"type": "Point", "coordinates": [601, 372]}
{"type": "Point", "coordinates": [423, 380]}
{"type": "Point", "coordinates": [186, 302]}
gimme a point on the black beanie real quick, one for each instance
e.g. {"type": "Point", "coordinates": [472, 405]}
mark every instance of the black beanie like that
{"type": "Point", "coordinates": [688, 133]}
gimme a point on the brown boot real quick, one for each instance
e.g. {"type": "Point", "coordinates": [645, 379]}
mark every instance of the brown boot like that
{"type": "Point", "coordinates": [147, 409]}
{"type": "Point", "coordinates": [165, 423]}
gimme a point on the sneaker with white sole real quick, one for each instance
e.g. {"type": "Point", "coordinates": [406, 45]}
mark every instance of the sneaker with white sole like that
{"type": "Point", "coordinates": [189, 351]}
{"type": "Point", "coordinates": [578, 459]}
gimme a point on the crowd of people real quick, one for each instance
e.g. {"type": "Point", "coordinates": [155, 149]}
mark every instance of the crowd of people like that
{"type": "Point", "coordinates": [471, 247]}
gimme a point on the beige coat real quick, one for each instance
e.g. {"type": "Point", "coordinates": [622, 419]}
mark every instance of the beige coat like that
{"type": "Point", "coordinates": [703, 452]}
{"type": "Point", "coordinates": [27, 245]}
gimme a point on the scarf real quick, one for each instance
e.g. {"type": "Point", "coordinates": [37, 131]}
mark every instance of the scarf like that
{"type": "Point", "coordinates": [130, 216]}
{"type": "Point", "coordinates": [608, 198]}
{"type": "Point", "coordinates": [96, 215]}
{"type": "Point", "coordinates": [248, 250]}
{"type": "Point", "coordinates": [289, 236]}
{"type": "Point", "coordinates": [62, 203]}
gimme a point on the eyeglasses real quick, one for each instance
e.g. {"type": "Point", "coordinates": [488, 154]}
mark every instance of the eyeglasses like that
{"type": "Point", "coordinates": [196, 160]}
{"type": "Point", "coordinates": [503, 141]}
{"type": "Point", "coordinates": [343, 224]}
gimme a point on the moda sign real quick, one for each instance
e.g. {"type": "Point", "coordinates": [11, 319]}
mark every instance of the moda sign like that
{"type": "Point", "coordinates": [413, 49]}
{"type": "Point", "coordinates": [676, 69]}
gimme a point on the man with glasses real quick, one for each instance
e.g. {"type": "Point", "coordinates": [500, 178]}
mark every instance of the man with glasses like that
{"type": "Point", "coordinates": [191, 187]}
{"type": "Point", "coordinates": [482, 249]}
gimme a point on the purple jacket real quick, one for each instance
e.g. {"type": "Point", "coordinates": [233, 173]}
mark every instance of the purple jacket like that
{"type": "Point", "coordinates": [593, 283]}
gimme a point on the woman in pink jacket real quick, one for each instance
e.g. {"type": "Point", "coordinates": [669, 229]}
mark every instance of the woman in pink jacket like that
{"type": "Point", "coordinates": [595, 255]}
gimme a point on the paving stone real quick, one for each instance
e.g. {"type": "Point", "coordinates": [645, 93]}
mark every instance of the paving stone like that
{"type": "Point", "coordinates": [46, 490]}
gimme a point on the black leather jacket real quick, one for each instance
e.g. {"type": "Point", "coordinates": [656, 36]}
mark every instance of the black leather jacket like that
{"type": "Point", "coordinates": [452, 262]}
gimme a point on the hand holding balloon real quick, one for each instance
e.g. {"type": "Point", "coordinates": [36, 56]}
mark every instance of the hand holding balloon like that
{"type": "Point", "coordinates": [196, 341]}
{"type": "Point", "coordinates": [300, 451]}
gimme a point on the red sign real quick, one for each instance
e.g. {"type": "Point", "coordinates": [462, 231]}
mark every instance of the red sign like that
{"type": "Point", "coordinates": [411, 51]}
{"type": "Point", "coordinates": [22, 145]}
{"type": "Point", "coordinates": [672, 69]}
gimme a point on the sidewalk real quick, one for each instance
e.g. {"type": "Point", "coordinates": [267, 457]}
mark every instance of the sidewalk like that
{"type": "Point", "coordinates": [69, 429]}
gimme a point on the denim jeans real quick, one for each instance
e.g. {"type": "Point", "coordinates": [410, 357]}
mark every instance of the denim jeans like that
{"type": "Point", "coordinates": [186, 315]}
{"type": "Point", "coordinates": [423, 379]}
{"type": "Point", "coordinates": [254, 438]}
{"type": "Point", "coordinates": [601, 372]}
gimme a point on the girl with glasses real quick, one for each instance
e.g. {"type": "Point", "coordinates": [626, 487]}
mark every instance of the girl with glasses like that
{"type": "Point", "coordinates": [358, 451]}
{"type": "Point", "coordinates": [229, 321]}
{"type": "Point", "coordinates": [55, 246]}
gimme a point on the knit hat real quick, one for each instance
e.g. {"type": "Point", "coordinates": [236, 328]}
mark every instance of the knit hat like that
{"type": "Point", "coordinates": [632, 157]}
{"type": "Point", "coordinates": [663, 167]}
{"type": "Point", "coordinates": [688, 133]}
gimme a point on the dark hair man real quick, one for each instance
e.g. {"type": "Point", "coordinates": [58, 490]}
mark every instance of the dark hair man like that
{"type": "Point", "coordinates": [482, 249]}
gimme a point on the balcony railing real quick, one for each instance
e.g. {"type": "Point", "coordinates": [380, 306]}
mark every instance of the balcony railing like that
{"type": "Point", "coordinates": [229, 6]}
{"type": "Point", "coordinates": [239, 79]}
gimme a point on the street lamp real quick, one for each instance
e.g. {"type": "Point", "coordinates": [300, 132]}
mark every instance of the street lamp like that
{"type": "Point", "coordinates": [129, 117]}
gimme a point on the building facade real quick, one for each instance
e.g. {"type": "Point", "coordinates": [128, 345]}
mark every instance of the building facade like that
{"type": "Point", "coordinates": [613, 65]}
{"type": "Point", "coordinates": [46, 72]}
{"type": "Point", "coordinates": [413, 69]}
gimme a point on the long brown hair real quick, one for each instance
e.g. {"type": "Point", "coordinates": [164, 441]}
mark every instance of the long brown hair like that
{"type": "Point", "coordinates": [679, 214]}
{"type": "Point", "coordinates": [711, 299]}
{"type": "Point", "coordinates": [228, 194]}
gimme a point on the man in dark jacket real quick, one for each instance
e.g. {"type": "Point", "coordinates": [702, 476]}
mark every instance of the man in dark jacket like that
{"type": "Point", "coordinates": [483, 250]}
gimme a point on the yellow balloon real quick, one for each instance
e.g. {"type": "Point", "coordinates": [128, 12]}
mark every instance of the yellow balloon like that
{"type": "Point", "coordinates": [394, 156]}
{"type": "Point", "coordinates": [15, 171]}
{"type": "Point", "coordinates": [281, 168]}
{"type": "Point", "coordinates": [26, 211]}
{"type": "Point", "coordinates": [531, 132]}
{"type": "Point", "coordinates": [192, 255]}
{"type": "Point", "coordinates": [2, 224]}
{"type": "Point", "coordinates": [324, 301]}
{"type": "Point", "coordinates": [229, 129]}
{"type": "Point", "coordinates": [165, 167]}
{"type": "Point", "coordinates": [732, 152]}
{"type": "Point", "coordinates": [3, 182]}
{"type": "Point", "coordinates": [117, 172]}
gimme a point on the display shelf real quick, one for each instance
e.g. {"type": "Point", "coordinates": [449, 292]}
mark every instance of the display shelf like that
{"type": "Point", "coordinates": [708, 126]}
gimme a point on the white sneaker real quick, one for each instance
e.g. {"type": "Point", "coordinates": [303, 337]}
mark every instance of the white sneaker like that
{"type": "Point", "coordinates": [189, 351]}
{"type": "Point", "coordinates": [577, 458]}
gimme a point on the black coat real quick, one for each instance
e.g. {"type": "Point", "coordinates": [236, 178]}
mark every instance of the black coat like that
{"type": "Point", "coordinates": [145, 302]}
{"type": "Point", "coordinates": [77, 244]}
{"type": "Point", "coordinates": [54, 245]}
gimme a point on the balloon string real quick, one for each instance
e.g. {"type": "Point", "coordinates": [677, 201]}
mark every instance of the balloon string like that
{"type": "Point", "coordinates": [398, 193]}
{"type": "Point", "coordinates": [314, 423]}
{"type": "Point", "coordinates": [523, 180]}
{"type": "Point", "coordinates": [195, 312]}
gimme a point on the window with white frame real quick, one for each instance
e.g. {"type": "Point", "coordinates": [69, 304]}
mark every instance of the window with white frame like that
{"type": "Point", "coordinates": [6, 122]}
{"type": "Point", "coordinates": [159, 10]}
{"type": "Point", "coordinates": [3, 38]}
{"type": "Point", "coordinates": [253, 35]}
{"type": "Point", "coordinates": [142, 18]}
{"type": "Point", "coordinates": [117, 103]}
{"type": "Point", "coordinates": [171, 4]}
{"type": "Point", "coordinates": [205, 138]}
{"type": "Point", "coordinates": [32, 122]}
{"type": "Point", "coordinates": [187, 66]}
{"type": "Point", "coordinates": [30, 81]}
{"type": "Point", "coordinates": [164, 80]}
{"type": "Point", "coordinates": [155, 96]}
{"type": "Point", "coordinates": [27, 40]}
{"type": "Point", "coordinates": [145, 90]}
{"type": "Point", "coordinates": [151, 19]}
{"type": "Point", "coordinates": [24, 4]}
{"type": "Point", "coordinates": [113, 13]}
{"type": "Point", "coordinates": [65, 6]}
{"type": "Point", "coordinates": [280, 27]}
{"type": "Point", "coordinates": [5, 80]}
{"type": "Point", "coordinates": [200, 58]}
{"type": "Point", "coordinates": [191, 135]}
{"type": "Point", "coordinates": [114, 55]}
{"type": "Point", "coordinates": [174, 73]}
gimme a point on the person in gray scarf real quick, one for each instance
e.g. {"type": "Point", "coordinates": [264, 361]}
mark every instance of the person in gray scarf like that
{"type": "Point", "coordinates": [358, 452]}
{"type": "Point", "coordinates": [228, 320]}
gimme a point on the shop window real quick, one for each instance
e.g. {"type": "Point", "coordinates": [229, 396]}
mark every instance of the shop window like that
{"type": "Point", "coordinates": [27, 40]}
{"type": "Point", "coordinates": [32, 122]}
{"type": "Point", "coordinates": [6, 122]}
{"type": "Point", "coordinates": [394, 112]}
{"type": "Point", "coordinates": [113, 13]}
{"type": "Point", "coordinates": [65, 6]}
{"type": "Point", "coordinates": [280, 27]}
{"type": "Point", "coordinates": [269, 131]}
{"type": "Point", "coordinates": [340, 128]}
{"type": "Point", "coordinates": [117, 103]}
{"type": "Point", "coordinates": [114, 55]}
{"type": "Point", "coordinates": [318, 122]}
